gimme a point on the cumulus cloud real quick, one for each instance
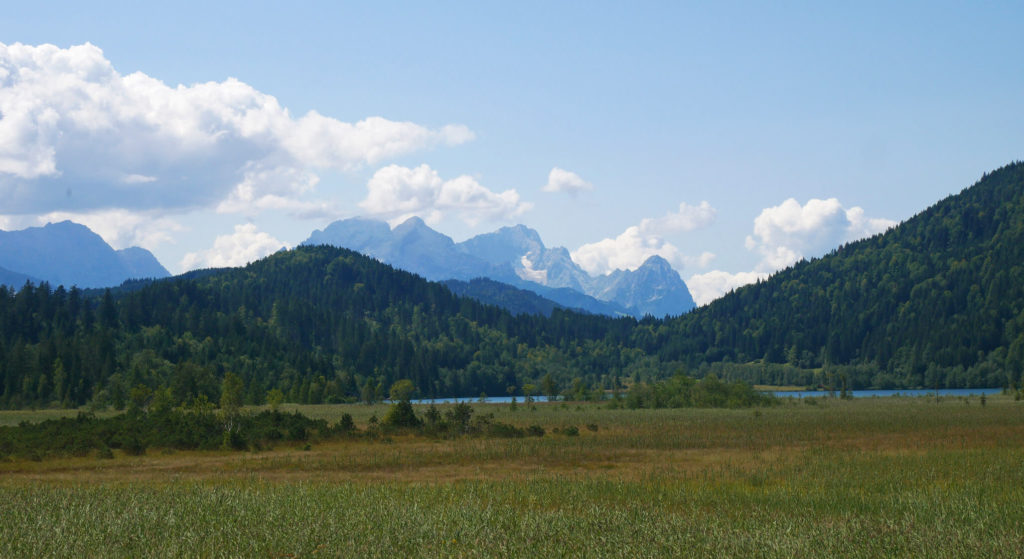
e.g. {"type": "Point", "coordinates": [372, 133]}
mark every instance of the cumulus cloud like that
{"type": "Point", "coordinates": [636, 244]}
{"type": "Point", "coordinates": [76, 135]}
{"type": "Point", "coordinates": [397, 193]}
{"type": "Point", "coordinates": [787, 233]}
{"type": "Point", "coordinates": [272, 189]}
{"type": "Point", "coordinates": [237, 249]}
{"type": "Point", "coordinates": [560, 180]}
{"type": "Point", "coordinates": [711, 285]}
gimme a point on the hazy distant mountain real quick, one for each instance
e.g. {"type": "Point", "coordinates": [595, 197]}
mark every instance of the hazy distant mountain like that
{"type": "Point", "coordinates": [140, 263]}
{"type": "Point", "coordinates": [515, 256]}
{"type": "Point", "coordinates": [14, 279]}
{"type": "Point", "coordinates": [69, 254]}
{"type": "Point", "coordinates": [519, 252]}
{"type": "Point", "coordinates": [412, 246]}
{"type": "Point", "coordinates": [367, 236]}
{"type": "Point", "coordinates": [653, 288]}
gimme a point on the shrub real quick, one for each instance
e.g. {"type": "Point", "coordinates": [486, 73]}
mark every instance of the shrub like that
{"type": "Point", "coordinates": [503, 430]}
{"type": "Point", "coordinates": [234, 440]}
{"type": "Point", "coordinates": [402, 415]}
{"type": "Point", "coordinates": [458, 417]}
{"type": "Point", "coordinates": [133, 445]}
{"type": "Point", "coordinates": [345, 424]}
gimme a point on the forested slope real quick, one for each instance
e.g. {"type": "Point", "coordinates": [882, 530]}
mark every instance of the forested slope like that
{"type": "Point", "coordinates": [319, 323]}
{"type": "Point", "coordinates": [938, 300]}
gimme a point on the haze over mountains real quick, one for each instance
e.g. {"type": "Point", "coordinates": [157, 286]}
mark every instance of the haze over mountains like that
{"type": "Point", "coordinates": [515, 256]}
{"type": "Point", "coordinates": [935, 302]}
{"type": "Point", "coordinates": [70, 254]}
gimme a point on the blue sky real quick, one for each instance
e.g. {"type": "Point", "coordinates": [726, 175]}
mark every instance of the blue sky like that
{"type": "Point", "coordinates": [731, 138]}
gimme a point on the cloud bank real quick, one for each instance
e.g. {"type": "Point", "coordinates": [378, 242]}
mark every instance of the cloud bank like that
{"type": "Point", "coordinates": [397, 193]}
{"type": "Point", "coordinates": [77, 136]}
{"type": "Point", "coordinates": [787, 233]}
{"type": "Point", "coordinates": [636, 244]}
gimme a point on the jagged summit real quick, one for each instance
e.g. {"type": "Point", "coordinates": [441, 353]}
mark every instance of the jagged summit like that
{"type": "Point", "coordinates": [515, 255]}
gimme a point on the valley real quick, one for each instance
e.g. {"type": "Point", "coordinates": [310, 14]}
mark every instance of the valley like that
{"type": "Point", "coordinates": [511, 279]}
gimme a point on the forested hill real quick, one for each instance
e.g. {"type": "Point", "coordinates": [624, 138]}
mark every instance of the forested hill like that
{"type": "Point", "coordinates": [319, 323]}
{"type": "Point", "coordinates": [938, 300]}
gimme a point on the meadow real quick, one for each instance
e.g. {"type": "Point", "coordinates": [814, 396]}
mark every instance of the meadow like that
{"type": "Point", "coordinates": [882, 477]}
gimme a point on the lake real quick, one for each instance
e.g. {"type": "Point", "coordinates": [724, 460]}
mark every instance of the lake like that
{"type": "Point", "coordinates": [780, 393]}
{"type": "Point", "coordinates": [888, 393]}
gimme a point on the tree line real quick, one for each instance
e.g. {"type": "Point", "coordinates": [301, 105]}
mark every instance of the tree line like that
{"type": "Point", "coordinates": [936, 302]}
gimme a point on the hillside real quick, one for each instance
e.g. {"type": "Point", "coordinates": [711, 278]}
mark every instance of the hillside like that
{"type": "Point", "coordinates": [936, 301]}
{"type": "Point", "coordinates": [319, 323]}
{"type": "Point", "coordinates": [514, 300]}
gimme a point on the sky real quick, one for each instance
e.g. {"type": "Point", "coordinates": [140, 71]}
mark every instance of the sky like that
{"type": "Point", "coordinates": [731, 138]}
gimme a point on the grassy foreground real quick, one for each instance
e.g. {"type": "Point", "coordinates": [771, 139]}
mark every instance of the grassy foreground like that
{"type": "Point", "coordinates": [893, 477]}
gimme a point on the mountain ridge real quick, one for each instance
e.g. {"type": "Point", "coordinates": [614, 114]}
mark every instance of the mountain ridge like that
{"type": "Point", "coordinates": [68, 253]}
{"type": "Point", "coordinates": [937, 300]}
{"type": "Point", "coordinates": [514, 255]}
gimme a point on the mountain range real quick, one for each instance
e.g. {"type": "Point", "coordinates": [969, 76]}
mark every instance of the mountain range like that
{"type": "Point", "coordinates": [68, 253]}
{"type": "Point", "coordinates": [936, 302]}
{"type": "Point", "coordinates": [525, 276]}
{"type": "Point", "coordinates": [515, 256]}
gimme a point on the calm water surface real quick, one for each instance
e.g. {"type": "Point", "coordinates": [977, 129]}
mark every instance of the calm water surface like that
{"type": "Point", "coordinates": [779, 393]}
{"type": "Point", "coordinates": [888, 393]}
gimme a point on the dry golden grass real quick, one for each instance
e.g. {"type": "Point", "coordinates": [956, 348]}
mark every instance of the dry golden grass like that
{"type": "Point", "coordinates": [626, 445]}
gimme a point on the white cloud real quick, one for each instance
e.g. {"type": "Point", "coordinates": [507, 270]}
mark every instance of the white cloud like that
{"type": "Point", "coordinates": [76, 135]}
{"type": "Point", "coordinates": [238, 249]}
{"type": "Point", "coordinates": [636, 244]}
{"type": "Point", "coordinates": [120, 228]}
{"type": "Point", "coordinates": [628, 251]}
{"type": "Point", "coordinates": [560, 180]}
{"type": "Point", "coordinates": [137, 179]}
{"type": "Point", "coordinates": [688, 218]}
{"type": "Point", "coordinates": [272, 189]}
{"type": "Point", "coordinates": [711, 285]}
{"type": "Point", "coordinates": [397, 193]}
{"type": "Point", "coordinates": [702, 261]}
{"type": "Point", "coordinates": [787, 233]}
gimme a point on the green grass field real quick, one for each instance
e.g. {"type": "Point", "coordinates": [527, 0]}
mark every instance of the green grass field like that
{"type": "Point", "coordinates": [892, 477]}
